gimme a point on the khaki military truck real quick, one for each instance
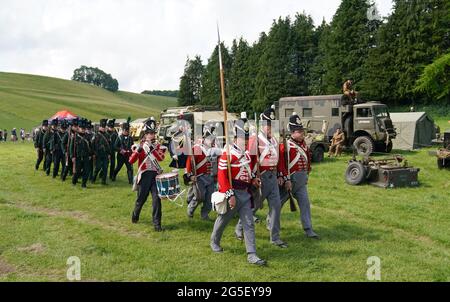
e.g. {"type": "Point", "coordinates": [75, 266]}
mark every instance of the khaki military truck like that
{"type": "Point", "coordinates": [197, 116]}
{"type": "Point", "coordinates": [367, 126]}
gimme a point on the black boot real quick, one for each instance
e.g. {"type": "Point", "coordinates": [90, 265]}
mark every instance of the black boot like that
{"type": "Point", "coordinates": [134, 218]}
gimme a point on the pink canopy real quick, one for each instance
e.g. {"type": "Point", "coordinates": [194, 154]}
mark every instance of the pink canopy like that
{"type": "Point", "coordinates": [63, 115]}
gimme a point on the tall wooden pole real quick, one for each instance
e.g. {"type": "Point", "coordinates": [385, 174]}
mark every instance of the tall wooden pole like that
{"type": "Point", "coordinates": [224, 108]}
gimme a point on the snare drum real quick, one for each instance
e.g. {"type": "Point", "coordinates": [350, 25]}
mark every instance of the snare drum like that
{"type": "Point", "coordinates": [168, 185]}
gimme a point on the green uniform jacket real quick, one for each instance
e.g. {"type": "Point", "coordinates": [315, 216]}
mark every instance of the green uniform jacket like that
{"type": "Point", "coordinates": [123, 142]}
{"type": "Point", "coordinates": [79, 147]}
{"type": "Point", "coordinates": [47, 137]}
{"type": "Point", "coordinates": [56, 140]}
{"type": "Point", "coordinates": [38, 143]}
{"type": "Point", "coordinates": [101, 144]}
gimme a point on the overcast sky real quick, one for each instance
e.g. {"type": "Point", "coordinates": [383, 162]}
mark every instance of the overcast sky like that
{"type": "Point", "coordinates": [142, 43]}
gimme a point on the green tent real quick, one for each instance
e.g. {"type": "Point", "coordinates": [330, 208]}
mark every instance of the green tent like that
{"type": "Point", "coordinates": [414, 130]}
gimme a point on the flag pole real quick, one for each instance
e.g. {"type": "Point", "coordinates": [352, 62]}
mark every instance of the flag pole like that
{"type": "Point", "coordinates": [224, 108]}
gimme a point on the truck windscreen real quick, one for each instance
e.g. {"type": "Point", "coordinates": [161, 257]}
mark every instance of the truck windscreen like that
{"type": "Point", "coordinates": [380, 111]}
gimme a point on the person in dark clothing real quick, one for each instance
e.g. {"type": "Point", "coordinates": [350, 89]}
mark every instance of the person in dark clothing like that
{"type": "Point", "coordinates": [38, 143]}
{"type": "Point", "coordinates": [123, 147]}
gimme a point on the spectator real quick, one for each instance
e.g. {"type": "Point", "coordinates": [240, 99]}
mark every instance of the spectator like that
{"type": "Point", "coordinates": [5, 135]}
{"type": "Point", "coordinates": [14, 135]}
{"type": "Point", "coordinates": [22, 134]}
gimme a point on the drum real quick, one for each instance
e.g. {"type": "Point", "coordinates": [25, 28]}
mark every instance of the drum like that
{"type": "Point", "coordinates": [168, 185]}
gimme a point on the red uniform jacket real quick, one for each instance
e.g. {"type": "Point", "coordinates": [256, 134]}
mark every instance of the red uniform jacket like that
{"type": "Point", "coordinates": [299, 156]}
{"type": "Point", "coordinates": [202, 163]}
{"type": "Point", "coordinates": [158, 153]}
{"type": "Point", "coordinates": [269, 155]}
{"type": "Point", "coordinates": [241, 169]}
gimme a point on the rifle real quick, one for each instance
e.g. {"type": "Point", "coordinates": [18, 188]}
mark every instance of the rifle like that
{"type": "Point", "coordinates": [258, 202]}
{"type": "Point", "coordinates": [287, 160]}
{"type": "Point", "coordinates": [194, 169]}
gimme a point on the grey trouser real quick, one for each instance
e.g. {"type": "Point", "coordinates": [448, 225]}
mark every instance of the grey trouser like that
{"type": "Point", "coordinates": [300, 192]}
{"type": "Point", "coordinates": [243, 208]}
{"type": "Point", "coordinates": [206, 187]}
{"type": "Point", "coordinates": [270, 190]}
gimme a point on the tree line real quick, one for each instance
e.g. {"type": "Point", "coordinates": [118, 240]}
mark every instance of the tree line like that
{"type": "Point", "coordinates": [95, 76]}
{"type": "Point", "coordinates": [400, 59]}
{"type": "Point", "coordinates": [170, 93]}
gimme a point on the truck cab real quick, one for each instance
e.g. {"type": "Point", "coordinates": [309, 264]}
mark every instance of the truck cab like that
{"type": "Point", "coordinates": [369, 127]}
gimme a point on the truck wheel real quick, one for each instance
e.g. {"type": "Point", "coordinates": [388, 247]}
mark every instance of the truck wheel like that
{"type": "Point", "coordinates": [364, 145]}
{"type": "Point", "coordinates": [355, 173]}
{"type": "Point", "coordinates": [389, 147]}
{"type": "Point", "coordinates": [318, 154]}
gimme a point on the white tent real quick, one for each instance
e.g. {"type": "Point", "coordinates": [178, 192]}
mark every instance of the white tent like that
{"type": "Point", "coordinates": [414, 130]}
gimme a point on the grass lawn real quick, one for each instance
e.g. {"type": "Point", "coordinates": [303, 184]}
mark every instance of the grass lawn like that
{"type": "Point", "coordinates": [43, 222]}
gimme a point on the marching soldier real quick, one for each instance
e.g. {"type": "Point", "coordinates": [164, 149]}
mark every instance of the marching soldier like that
{"type": "Point", "coordinates": [123, 146]}
{"type": "Point", "coordinates": [237, 192]}
{"type": "Point", "coordinates": [90, 137]}
{"type": "Point", "coordinates": [79, 153]}
{"type": "Point", "coordinates": [337, 143]}
{"type": "Point", "coordinates": [266, 149]}
{"type": "Point", "coordinates": [39, 143]}
{"type": "Point", "coordinates": [148, 153]}
{"type": "Point", "coordinates": [199, 171]}
{"type": "Point", "coordinates": [56, 148]}
{"type": "Point", "coordinates": [112, 134]}
{"type": "Point", "coordinates": [179, 144]}
{"type": "Point", "coordinates": [46, 145]}
{"type": "Point", "coordinates": [66, 141]}
{"type": "Point", "coordinates": [299, 158]}
{"type": "Point", "coordinates": [102, 152]}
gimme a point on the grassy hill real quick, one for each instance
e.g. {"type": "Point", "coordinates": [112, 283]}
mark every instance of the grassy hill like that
{"type": "Point", "coordinates": [25, 100]}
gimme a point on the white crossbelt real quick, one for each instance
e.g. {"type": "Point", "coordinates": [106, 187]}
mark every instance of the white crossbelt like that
{"type": "Point", "coordinates": [300, 152]}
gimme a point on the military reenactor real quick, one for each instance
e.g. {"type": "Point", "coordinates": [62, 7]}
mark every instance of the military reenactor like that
{"type": "Point", "coordinates": [266, 149]}
{"type": "Point", "coordinates": [68, 166]}
{"type": "Point", "coordinates": [56, 151]}
{"type": "Point", "coordinates": [123, 146]}
{"type": "Point", "coordinates": [90, 137]}
{"type": "Point", "coordinates": [102, 151]}
{"type": "Point", "coordinates": [299, 158]}
{"type": "Point", "coordinates": [337, 143]}
{"type": "Point", "coordinates": [39, 143]}
{"type": "Point", "coordinates": [200, 173]}
{"type": "Point", "coordinates": [148, 153]}
{"type": "Point", "coordinates": [46, 145]}
{"type": "Point", "coordinates": [112, 134]}
{"type": "Point", "coordinates": [179, 144]}
{"type": "Point", "coordinates": [79, 153]}
{"type": "Point", "coordinates": [237, 192]}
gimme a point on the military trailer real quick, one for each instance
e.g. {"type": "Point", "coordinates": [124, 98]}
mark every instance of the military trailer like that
{"type": "Point", "coordinates": [392, 172]}
{"type": "Point", "coordinates": [367, 126]}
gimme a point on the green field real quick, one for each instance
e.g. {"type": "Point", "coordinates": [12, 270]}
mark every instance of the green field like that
{"type": "Point", "coordinates": [43, 222]}
{"type": "Point", "coordinates": [25, 100]}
